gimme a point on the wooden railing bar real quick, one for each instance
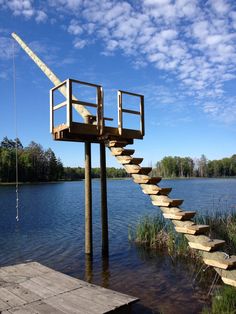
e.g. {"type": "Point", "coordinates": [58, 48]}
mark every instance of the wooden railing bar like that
{"type": "Point", "coordinates": [131, 111]}
{"type": "Point", "coordinates": [85, 83]}
{"type": "Point", "coordinates": [62, 104]}
{"type": "Point", "coordinates": [104, 118]}
{"type": "Point", "coordinates": [58, 86]}
{"type": "Point", "coordinates": [108, 119]}
{"type": "Point", "coordinates": [84, 103]}
{"type": "Point", "coordinates": [129, 93]}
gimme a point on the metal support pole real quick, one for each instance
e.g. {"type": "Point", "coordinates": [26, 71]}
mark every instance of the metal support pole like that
{"type": "Point", "coordinates": [104, 216]}
{"type": "Point", "coordinates": [88, 200]}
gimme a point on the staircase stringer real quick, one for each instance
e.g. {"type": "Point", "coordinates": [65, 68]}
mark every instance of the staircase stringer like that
{"type": "Point", "coordinates": [223, 264]}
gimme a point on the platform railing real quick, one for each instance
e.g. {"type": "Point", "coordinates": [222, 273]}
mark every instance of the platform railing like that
{"type": "Point", "coordinates": [122, 110]}
{"type": "Point", "coordinates": [71, 100]}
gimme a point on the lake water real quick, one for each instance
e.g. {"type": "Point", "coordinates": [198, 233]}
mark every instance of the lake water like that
{"type": "Point", "coordinates": [51, 231]}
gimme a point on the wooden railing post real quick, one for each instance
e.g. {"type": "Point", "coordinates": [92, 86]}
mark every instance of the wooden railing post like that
{"type": "Point", "coordinates": [104, 216]}
{"type": "Point", "coordinates": [69, 103]}
{"type": "Point", "coordinates": [120, 117]}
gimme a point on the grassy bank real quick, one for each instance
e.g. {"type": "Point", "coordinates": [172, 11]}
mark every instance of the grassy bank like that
{"type": "Point", "coordinates": [223, 301]}
{"type": "Point", "coordinates": [158, 233]}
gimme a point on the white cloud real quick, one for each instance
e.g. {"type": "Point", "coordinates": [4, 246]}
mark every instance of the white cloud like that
{"type": "Point", "coordinates": [195, 41]}
{"type": "Point", "coordinates": [220, 6]}
{"type": "Point", "coordinates": [6, 48]}
{"type": "Point", "coordinates": [74, 28]}
{"type": "Point", "coordinates": [41, 16]}
{"type": "Point", "coordinates": [20, 7]}
{"type": "Point", "coordinates": [80, 43]}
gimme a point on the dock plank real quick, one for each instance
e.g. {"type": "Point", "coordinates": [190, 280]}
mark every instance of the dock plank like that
{"type": "Point", "coordinates": [31, 288]}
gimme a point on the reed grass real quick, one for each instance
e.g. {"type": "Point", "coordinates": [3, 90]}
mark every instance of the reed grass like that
{"type": "Point", "coordinates": [223, 301]}
{"type": "Point", "coordinates": [222, 226]}
{"type": "Point", "coordinates": [155, 232]}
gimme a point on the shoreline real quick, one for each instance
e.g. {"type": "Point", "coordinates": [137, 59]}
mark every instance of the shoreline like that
{"type": "Point", "coordinates": [125, 178]}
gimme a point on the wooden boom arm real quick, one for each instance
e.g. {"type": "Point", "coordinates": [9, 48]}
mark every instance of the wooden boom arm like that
{"type": "Point", "coordinates": [52, 77]}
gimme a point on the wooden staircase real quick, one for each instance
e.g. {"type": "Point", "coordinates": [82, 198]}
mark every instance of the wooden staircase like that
{"type": "Point", "coordinates": [197, 235]}
{"type": "Point", "coordinates": [95, 131]}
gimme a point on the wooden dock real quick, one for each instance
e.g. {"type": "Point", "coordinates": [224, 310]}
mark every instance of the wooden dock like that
{"type": "Point", "coordinates": [32, 288]}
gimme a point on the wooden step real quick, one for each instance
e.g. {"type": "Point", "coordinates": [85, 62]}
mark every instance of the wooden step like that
{"type": "Point", "coordinates": [189, 227]}
{"type": "Point", "coordinates": [144, 179]}
{"type": "Point", "coordinates": [136, 160]}
{"type": "Point", "coordinates": [152, 189]}
{"type": "Point", "coordinates": [204, 243]}
{"type": "Point", "coordinates": [128, 160]}
{"type": "Point", "coordinates": [219, 259]}
{"type": "Point", "coordinates": [165, 201]}
{"type": "Point", "coordinates": [145, 170]}
{"type": "Point", "coordinates": [115, 143]}
{"type": "Point", "coordinates": [228, 276]}
{"type": "Point", "coordinates": [117, 151]}
{"type": "Point", "coordinates": [124, 159]}
{"type": "Point", "coordinates": [132, 168]}
{"type": "Point", "coordinates": [177, 213]}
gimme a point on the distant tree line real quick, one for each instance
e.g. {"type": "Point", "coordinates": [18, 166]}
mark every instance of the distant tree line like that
{"type": "Point", "coordinates": [171, 167]}
{"type": "Point", "coordinates": [71, 173]}
{"type": "Point", "coordinates": [36, 164]}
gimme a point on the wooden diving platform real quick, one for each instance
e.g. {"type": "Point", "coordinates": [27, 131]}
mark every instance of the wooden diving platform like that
{"type": "Point", "coordinates": [33, 288]}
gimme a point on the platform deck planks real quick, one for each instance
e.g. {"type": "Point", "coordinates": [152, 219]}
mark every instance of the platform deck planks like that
{"type": "Point", "coordinates": [33, 288]}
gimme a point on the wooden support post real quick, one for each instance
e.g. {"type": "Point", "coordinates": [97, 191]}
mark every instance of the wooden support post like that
{"type": "Point", "coordinates": [104, 216]}
{"type": "Point", "coordinates": [88, 200]}
{"type": "Point", "coordinates": [88, 274]}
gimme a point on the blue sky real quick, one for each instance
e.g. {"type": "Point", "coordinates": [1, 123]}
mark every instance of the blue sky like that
{"type": "Point", "coordinates": [180, 54]}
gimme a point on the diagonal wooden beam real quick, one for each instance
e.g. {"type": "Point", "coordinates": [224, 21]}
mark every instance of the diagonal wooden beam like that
{"type": "Point", "coordinates": [52, 77]}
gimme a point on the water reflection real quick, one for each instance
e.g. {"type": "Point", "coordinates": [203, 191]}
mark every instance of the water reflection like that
{"type": "Point", "coordinates": [51, 231]}
{"type": "Point", "coordinates": [105, 272]}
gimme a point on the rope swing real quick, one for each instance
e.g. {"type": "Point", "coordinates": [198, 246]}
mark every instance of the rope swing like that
{"type": "Point", "coordinates": [16, 132]}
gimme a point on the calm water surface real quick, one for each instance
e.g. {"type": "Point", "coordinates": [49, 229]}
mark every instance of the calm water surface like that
{"type": "Point", "coordinates": [51, 231]}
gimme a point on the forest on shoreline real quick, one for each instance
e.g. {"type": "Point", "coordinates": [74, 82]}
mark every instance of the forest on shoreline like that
{"type": "Point", "coordinates": [187, 167]}
{"type": "Point", "coordinates": [36, 164]}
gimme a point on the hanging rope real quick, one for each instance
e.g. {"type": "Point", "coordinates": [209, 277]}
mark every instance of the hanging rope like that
{"type": "Point", "coordinates": [16, 132]}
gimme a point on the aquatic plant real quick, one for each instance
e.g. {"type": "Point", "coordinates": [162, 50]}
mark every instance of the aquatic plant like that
{"type": "Point", "coordinates": [223, 301]}
{"type": "Point", "coordinates": [222, 226]}
{"type": "Point", "coordinates": [155, 232]}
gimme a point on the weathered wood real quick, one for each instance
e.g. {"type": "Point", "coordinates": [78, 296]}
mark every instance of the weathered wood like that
{"type": "Point", "coordinates": [144, 179]}
{"type": "Point", "coordinates": [88, 200]}
{"type": "Point", "coordinates": [145, 170]}
{"type": "Point", "coordinates": [131, 111]}
{"type": "Point", "coordinates": [228, 276]}
{"type": "Point", "coordinates": [116, 143]}
{"type": "Point", "coordinates": [176, 213]}
{"type": "Point", "coordinates": [162, 200]}
{"type": "Point", "coordinates": [204, 243]}
{"type": "Point", "coordinates": [132, 168]}
{"type": "Point", "coordinates": [48, 291]}
{"type": "Point", "coordinates": [136, 160]}
{"type": "Point", "coordinates": [124, 159]}
{"type": "Point", "coordinates": [152, 189]}
{"type": "Point", "coordinates": [104, 216]}
{"type": "Point", "coordinates": [190, 227]}
{"type": "Point", "coordinates": [117, 151]}
{"type": "Point", "coordinates": [219, 260]}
